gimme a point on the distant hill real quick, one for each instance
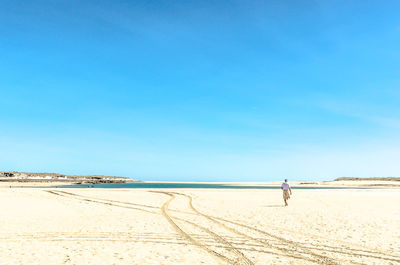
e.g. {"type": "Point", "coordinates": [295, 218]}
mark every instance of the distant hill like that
{"type": "Point", "coordinates": [370, 179]}
{"type": "Point", "coordinates": [14, 176]}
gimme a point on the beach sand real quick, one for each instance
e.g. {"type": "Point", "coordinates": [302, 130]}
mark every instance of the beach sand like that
{"type": "Point", "coordinates": [192, 226]}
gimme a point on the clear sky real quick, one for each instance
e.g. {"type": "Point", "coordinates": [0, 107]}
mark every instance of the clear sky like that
{"type": "Point", "coordinates": [201, 90]}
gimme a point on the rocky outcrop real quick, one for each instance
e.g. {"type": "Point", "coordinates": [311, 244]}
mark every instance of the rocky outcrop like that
{"type": "Point", "coordinates": [369, 179]}
{"type": "Point", "coordinates": [56, 177]}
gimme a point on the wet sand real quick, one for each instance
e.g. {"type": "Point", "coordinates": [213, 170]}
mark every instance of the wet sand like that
{"type": "Point", "coordinates": [192, 226]}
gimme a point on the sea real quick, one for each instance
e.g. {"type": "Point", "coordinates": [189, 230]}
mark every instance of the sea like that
{"type": "Point", "coordinates": [188, 185]}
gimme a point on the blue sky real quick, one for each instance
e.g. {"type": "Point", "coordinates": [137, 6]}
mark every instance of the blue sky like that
{"type": "Point", "coordinates": [201, 90]}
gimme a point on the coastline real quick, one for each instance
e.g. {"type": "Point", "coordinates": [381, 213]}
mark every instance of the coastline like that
{"type": "Point", "coordinates": [330, 183]}
{"type": "Point", "coordinates": [25, 179]}
{"type": "Point", "coordinates": [298, 184]}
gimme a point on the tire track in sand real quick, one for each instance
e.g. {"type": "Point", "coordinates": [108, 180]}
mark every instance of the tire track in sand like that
{"type": "Point", "coordinates": [289, 252]}
{"type": "Point", "coordinates": [291, 247]}
{"type": "Point", "coordinates": [344, 245]}
{"type": "Point", "coordinates": [347, 248]}
{"type": "Point", "coordinates": [317, 258]}
{"type": "Point", "coordinates": [348, 251]}
{"type": "Point", "coordinates": [376, 254]}
{"type": "Point", "coordinates": [228, 246]}
{"type": "Point", "coordinates": [238, 259]}
{"type": "Point", "coordinates": [96, 201]}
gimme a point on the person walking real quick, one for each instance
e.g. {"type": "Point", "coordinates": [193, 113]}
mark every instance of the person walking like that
{"type": "Point", "coordinates": [286, 189]}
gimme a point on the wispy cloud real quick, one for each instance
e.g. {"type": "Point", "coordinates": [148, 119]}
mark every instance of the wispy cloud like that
{"type": "Point", "coordinates": [375, 112]}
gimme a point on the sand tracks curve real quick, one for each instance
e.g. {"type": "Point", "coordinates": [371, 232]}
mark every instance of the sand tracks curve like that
{"type": "Point", "coordinates": [220, 248]}
{"type": "Point", "coordinates": [235, 242]}
{"type": "Point", "coordinates": [233, 255]}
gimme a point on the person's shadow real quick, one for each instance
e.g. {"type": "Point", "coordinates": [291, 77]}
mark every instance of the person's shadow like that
{"type": "Point", "coordinates": [274, 206]}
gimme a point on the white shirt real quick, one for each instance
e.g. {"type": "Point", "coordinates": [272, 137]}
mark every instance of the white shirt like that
{"type": "Point", "coordinates": [285, 186]}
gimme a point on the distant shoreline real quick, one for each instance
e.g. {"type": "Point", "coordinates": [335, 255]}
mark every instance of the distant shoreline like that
{"type": "Point", "coordinates": [188, 184]}
{"type": "Point", "coordinates": [368, 179]}
{"type": "Point", "coordinates": [24, 179]}
{"type": "Point", "coordinates": [47, 179]}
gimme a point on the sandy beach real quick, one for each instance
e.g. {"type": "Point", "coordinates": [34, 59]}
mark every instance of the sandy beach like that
{"type": "Point", "coordinates": [194, 226]}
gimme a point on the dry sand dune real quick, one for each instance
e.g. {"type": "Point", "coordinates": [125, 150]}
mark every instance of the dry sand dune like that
{"type": "Point", "coordinates": [104, 226]}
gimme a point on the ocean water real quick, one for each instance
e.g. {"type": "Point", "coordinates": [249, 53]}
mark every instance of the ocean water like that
{"type": "Point", "coordinates": [172, 185]}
